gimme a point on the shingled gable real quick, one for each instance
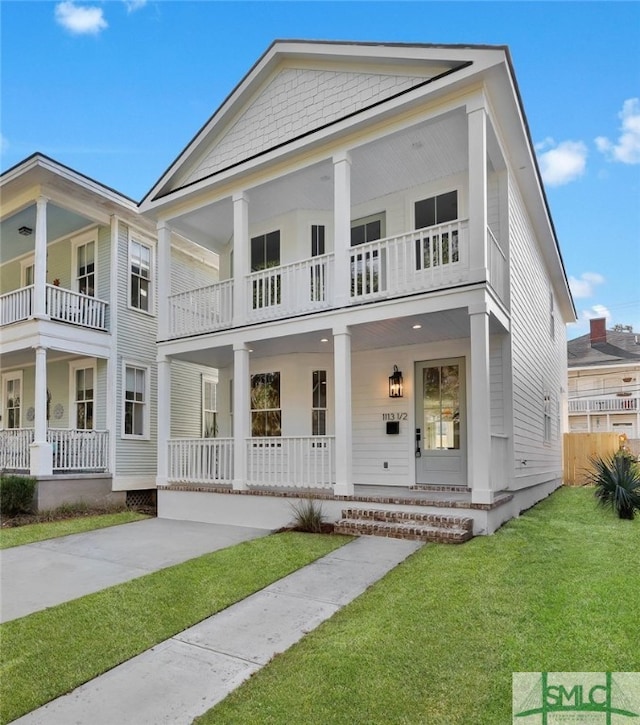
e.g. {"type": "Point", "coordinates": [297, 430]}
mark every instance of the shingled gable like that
{"type": "Point", "coordinates": [299, 87]}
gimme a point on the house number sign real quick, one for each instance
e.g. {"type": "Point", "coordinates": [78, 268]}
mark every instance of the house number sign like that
{"type": "Point", "coordinates": [395, 416]}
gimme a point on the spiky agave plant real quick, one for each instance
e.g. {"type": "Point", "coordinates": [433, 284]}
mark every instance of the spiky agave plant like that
{"type": "Point", "coordinates": [617, 482]}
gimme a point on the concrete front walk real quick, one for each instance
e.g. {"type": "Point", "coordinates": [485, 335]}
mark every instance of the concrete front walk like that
{"type": "Point", "coordinates": [41, 575]}
{"type": "Point", "coordinates": [186, 675]}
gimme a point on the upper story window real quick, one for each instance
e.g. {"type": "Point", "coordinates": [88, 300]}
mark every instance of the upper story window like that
{"type": "Point", "coordinates": [28, 272]}
{"type": "Point", "coordinates": [140, 275]}
{"type": "Point", "coordinates": [436, 210]}
{"type": "Point", "coordinates": [266, 414]}
{"type": "Point", "coordinates": [367, 229]}
{"type": "Point", "coordinates": [86, 268]}
{"type": "Point", "coordinates": [265, 251]}
{"type": "Point", "coordinates": [317, 240]}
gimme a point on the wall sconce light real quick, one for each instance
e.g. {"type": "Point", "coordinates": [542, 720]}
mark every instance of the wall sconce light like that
{"type": "Point", "coordinates": [25, 231]}
{"type": "Point", "coordinates": [395, 383]}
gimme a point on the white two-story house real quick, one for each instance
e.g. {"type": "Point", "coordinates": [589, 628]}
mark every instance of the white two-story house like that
{"type": "Point", "coordinates": [78, 327]}
{"type": "Point", "coordinates": [388, 325]}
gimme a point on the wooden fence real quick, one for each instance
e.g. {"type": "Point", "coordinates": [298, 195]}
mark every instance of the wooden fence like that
{"type": "Point", "coordinates": [579, 448]}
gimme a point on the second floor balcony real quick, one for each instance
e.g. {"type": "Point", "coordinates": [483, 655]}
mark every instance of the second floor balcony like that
{"type": "Point", "coordinates": [623, 403]}
{"type": "Point", "coordinates": [417, 261]}
{"type": "Point", "coordinates": [62, 305]}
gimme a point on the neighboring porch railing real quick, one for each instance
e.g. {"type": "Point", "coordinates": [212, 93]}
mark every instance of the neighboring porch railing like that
{"type": "Point", "coordinates": [14, 449]}
{"type": "Point", "coordinates": [201, 460]}
{"type": "Point", "coordinates": [295, 462]}
{"type": "Point", "coordinates": [497, 265]}
{"type": "Point", "coordinates": [291, 289]}
{"type": "Point", "coordinates": [604, 405]}
{"type": "Point", "coordinates": [201, 310]}
{"type": "Point", "coordinates": [69, 306]}
{"type": "Point", "coordinates": [16, 305]}
{"type": "Point", "coordinates": [79, 450]}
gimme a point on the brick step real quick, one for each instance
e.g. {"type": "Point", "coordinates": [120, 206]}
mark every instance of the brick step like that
{"type": "Point", "coordinates": [451, 488]}
{"type": "Point", "coordinates": [442, 521]}
{"type": "Point", "coordinates": [405, 530]}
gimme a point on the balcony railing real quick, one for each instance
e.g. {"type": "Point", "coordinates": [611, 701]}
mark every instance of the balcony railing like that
{"type": "Point", "coordinates": [604, 405]}
{"type": "Point", "coordinates": [300, 462]}
{"type": "Point", "coordinates": [14, 449]}
{"type": "Point", "coordinates": [61, 304]}
{"type": "Point", "coordinates": [201, 460]}
{"type": "Point", "coordinates": [79, 450]}
{"type": "Point", "coordinates": [201, 310]}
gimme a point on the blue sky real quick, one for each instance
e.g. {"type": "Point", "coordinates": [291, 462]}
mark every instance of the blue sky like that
{"type": "Point", "coordinates": [117, 89]}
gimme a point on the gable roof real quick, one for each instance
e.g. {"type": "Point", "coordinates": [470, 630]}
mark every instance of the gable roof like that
{"type": "Point", "coordinates": [312, 85]}
{"type": "Point", "coordinates": [619, 347]}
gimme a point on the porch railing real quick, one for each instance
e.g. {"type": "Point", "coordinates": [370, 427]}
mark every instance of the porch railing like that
{"type": "Point", "coordinates": [14, 449]}
{"type": "Point", "coordinates": [413, 262]}
{"type": "Point", "coordinates": [291, 289]}
{"type": "Point", "coordinates": [604, 405]}
{"type": "Point", "coordinates": [201, 460]}
{"type": "Point", "coordinates": [69, 306]}
{"type": "Point", "coordinates": [79, 450]}
{"type": "Point", "coordinates": [497, 265]}
{"type": "Point", "coordinates": [16, 305]}
{"type": "Point", "coordinates": [201, 310]}
{"type": "Point", "coordinates": [295, 462]}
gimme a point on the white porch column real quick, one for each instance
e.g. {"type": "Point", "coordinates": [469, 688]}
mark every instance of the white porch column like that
{"type": "Point", "coordinates": [164, 420]}
{"type": "Point", "coordinates": [40, 261]}
{"type": "Point", "coordinates": [240, 256]}
{"type": "Point", "coordinates": [164, 279]}
{"type": "Point", "coordinates": [342, 408]}
{"type": "Point", "coordinates": [479, 465]}
{"type": "Point", "coordinates": [241, 414]}
{"type": "Point", "coordinates": [342, 228]}
{"type": "Point", "coordinates": [41, 450]}
{"type": "Point", "coordinates": [477, 135]}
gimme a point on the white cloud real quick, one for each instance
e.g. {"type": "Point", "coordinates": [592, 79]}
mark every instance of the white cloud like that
{"type": "Point", "coordinates": [584, 286]}
{"type": "Point", "coordinates": [563, 162]}
{"type": "Point", "coordinates": [4, 143]}
{"type": "Point", "coordinates": [627, 148]}
{"type": "Point", "coordinates": [79, 19]}
{"type": "Point", "coordinates": [133, 5]}
{"type": "Point", "coordinates": [594, 312]}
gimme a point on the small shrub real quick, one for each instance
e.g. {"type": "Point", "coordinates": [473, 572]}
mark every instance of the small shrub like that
{"type": "Point", "coordinates": [16, 495]}
{"type": "Point", "coordinates": [617, 483]}
{"type": "Point", "coordinates": [308, 516]}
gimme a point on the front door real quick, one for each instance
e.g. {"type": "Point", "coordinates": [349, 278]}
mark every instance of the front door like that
{"type": "Point", "coordinates": [440, 443]}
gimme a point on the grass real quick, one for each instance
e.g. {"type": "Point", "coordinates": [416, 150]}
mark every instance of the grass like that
{"type": "Point", "coordinates": [30, 533]}
{"type": "Point", "coordinates": [48, 653]}
{"type": "Point", "coordinates": [437, 640]}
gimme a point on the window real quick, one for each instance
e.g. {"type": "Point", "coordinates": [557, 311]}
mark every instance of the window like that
{"type": "Point", "coordinates": [28, 272]}
{"type": "Point", "coordinates": [266, 415]}
{"type": "Point", "coordinates": [317, 240]}
{"type": "Point", "coordinates": [365, 265]}
{"type": "Point", "coordinates": [440, 246]}
{"type": "Point", "coordinates": [265, 251]}
{"type": "Point", "coordinates": [552, 321]}
{"type": "Point", "coordinates": [319, 403]}
{"type": "Point", "coordinates": [209, 408]}
{"type": "Point", "coordinates": [136, 397]}
{"type": "Point", "coordinates": [436, 210]}
{"type": "Point", "coordinates": [547, 417]}
{"type": "Point", "coordinates": [12, 392]}
{"type": "Point", "coordinates": [84, 397]}
{"type": "Point", "coordinates": [442, 400]}
{"type": "Point", "coordinates": [367, 229]}
{"type": "Point", "coordinates": [140, 259]}
{"type": "Point", "coordinates": [86, 268]}
{"type": "Point", "coordinates": [318, 270]}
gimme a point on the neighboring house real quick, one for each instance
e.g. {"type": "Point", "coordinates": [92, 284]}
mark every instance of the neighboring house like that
{"type": "Point", "coordinates": [78, 302]}
{"type": "Point", "coordinates": [604, 381]}
{"type": "Point", "coordinates": [392, 300]}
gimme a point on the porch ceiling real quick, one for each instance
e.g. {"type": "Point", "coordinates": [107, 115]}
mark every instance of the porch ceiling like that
{"type": "Point", "coordinates": [27, 357]}
{"type": "Point", "coordinates": [416, 155]}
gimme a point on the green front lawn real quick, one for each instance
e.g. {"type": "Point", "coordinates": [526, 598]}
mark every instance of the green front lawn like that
{"type": "Point", "coordinates": [48, 653]}
{"type": "Point", "coordinates": [19, 535]}
{"type": "Point", "coordinates": [437, 640]}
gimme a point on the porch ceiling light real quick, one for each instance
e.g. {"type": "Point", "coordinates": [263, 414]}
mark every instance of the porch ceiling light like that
{"type": "Point", "coordinates": [395, 383]}
{"type": "Point", "coordinates": [25, 231]}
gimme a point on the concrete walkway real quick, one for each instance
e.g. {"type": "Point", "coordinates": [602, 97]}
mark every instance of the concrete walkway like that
{"type": "Point", "coordinates": [41, 575]}
{"type": "Point", "coordinates": [186, 675]}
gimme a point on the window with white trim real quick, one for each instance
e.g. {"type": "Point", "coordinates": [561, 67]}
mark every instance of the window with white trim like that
{"type": "Point", "coordinates": [319, 403]}
{"type": "Point", "coordinates": [140, 275]}
{"type": "Point", "coordinates": [86, 268]}
{"type": "Point", "coordinates": [28, 271]}
{"type": "Point", "coordinates": [209, 408]}
{"type": "Point", "coordinates": [317, 239]}
{"type": "Point", "coordinates": [136, 402]}
{"type": "Point", "coordinates": [12, 400]}
{"type": "Point", "coordinates": [84, 394]}
{"type": "Point", "coordinates": [547, 417]}
{"type": "Point", "coordinates": [266, 414]}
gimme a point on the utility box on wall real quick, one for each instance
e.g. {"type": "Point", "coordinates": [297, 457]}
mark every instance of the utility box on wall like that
{"type": "Point", "coordinates": [393, 427]}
